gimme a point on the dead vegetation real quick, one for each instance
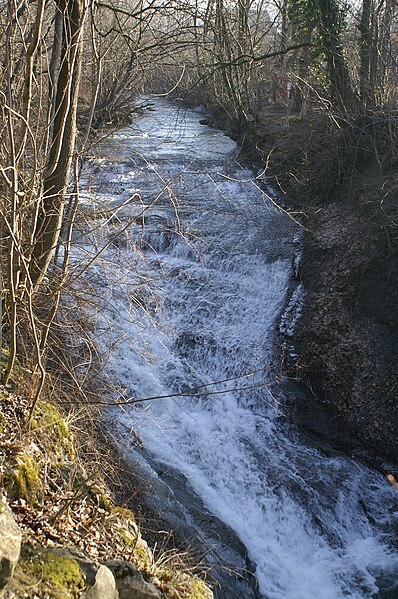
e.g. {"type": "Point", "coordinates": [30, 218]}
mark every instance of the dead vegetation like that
{"type": "Point", "coordinates": [56, 480]}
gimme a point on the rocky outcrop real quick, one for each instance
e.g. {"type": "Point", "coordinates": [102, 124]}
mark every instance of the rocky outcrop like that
{"type": "Point", "coordinates": [346, 202]}
{"type": "Point", "coordinates": [348, 335]}
{"type": "Point", "coordinates": [67, 572]}
{"type": "Point", "coordinates": [104, 586]}
{"type": "Point", "coordinates": [10, 545]}
{"type": "Point", "coordinates": [130, 582]}
{"type": "Point", "coordinates": [69, 522]}
{"type": "Point", "coordinates": [98, 579]}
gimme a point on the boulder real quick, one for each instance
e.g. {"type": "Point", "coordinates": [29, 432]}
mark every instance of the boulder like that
{"type": "Point", "coordinates": [10, 544]}
{"type": "Point", "coordinates": [104, 586]}
{"type": "Point", "coordinates": [98, 578]}
{"type": "Point", "coordinates": [130, 583]}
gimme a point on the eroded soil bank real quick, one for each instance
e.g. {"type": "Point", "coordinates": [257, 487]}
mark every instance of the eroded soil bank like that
{"type": "Point", "coordinates": [344, 190]}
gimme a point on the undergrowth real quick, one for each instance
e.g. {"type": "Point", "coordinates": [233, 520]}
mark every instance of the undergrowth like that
{"type": "Point", "coordinates": [61, 499]}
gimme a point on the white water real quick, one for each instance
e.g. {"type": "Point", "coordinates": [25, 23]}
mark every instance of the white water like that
{"type": "Point", "coordinates": [317, 527]}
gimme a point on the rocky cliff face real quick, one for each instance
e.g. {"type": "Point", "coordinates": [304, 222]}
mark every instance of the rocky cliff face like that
{"type": "Point", "coordinates": [347, 338]}
{"type": "Point", "coordinates": [348, 335]}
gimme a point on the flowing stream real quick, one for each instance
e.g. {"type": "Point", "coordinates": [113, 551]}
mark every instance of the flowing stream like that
{"type": "Point", "coordinates": [193, 288]}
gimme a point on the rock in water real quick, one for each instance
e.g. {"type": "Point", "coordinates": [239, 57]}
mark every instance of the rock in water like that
{"type": "Point", "coordinates": [10, 544]}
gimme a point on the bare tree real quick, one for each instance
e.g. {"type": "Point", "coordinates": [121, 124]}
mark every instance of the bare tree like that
{"type": "Point", "coordinates": [63, 138]}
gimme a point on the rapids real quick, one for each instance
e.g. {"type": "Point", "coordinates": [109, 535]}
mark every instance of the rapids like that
{"type": "Point", "coordinates": [195, 281]}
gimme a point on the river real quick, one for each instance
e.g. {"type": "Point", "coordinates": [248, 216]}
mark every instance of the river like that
{"type": "Point", "coordinates": [191, 290]}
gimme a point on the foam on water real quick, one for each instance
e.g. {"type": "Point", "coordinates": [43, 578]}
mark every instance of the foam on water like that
{"type": "Point", "coordinates": [317, 527]}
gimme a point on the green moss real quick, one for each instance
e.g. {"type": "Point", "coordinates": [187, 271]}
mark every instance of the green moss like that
{"type": "Point", "coordinates": [99, 497]}
{"type": "Point", "coordinates": [179, 583]}
{"type": "Point", "coordinates": [2, 422]}
{"type": "Point", "coordinates": [4, 354]}
{"type": "Point", "coordinates": [24, 480]}
{"type": "Point", "coordinates": [123, 512]}
{"type": "Point", "coordinates": [198, 589]}
{"type": "Point", "coordinates": [55, 435]}
{"type": "Point", "coordinates": [49, 574]}
{"type": "Point", "coordinates": [127, 537]}
{"type": "Point", "coordinates": [60, 571]}
{"type": "Point", "coordinates": [17, 371]}
{"type": "Point", "coordinates": [141, 554]}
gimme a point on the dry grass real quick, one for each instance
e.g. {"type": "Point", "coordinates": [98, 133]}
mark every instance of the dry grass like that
{"type": "Point", "coordinates": [57, 480]}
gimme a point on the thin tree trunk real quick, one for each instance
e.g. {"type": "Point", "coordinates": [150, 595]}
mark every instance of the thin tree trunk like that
{"type": "Point", "coordinates": [12, 258]}
{"type": "Point", "coordinates": [385, 58]}
{"type": "Point", "coordinates": [63, 139]}
{"type": "Point", "coordinates": [365, 51]}
{"type": "Point", "coordinates": [54, 63]}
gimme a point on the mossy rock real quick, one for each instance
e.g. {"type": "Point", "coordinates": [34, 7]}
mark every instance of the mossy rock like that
{"type": "Point", "coordinates": [141, 554]}
{"type": "Point", "coordinates": [23, 480]}
{"type": "Point", "coordinates": [176, 583]}
{"type": "Point", "coordinates": [47, 574]}
{"type": "Point", "coordinates": [123, 512]}
{"type": "Point", "coordinates": [54, 433]}
{"type": "Point", "coordinates": [188, 586]}
{"type": "Point", "coordinates": [128, 539]}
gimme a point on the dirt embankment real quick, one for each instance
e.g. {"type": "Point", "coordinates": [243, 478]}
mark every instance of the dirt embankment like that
{"type": "Point", "coordinates": [344, 184]}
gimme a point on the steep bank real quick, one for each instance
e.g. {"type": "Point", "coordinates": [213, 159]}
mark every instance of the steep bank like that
{"type": "Point", "coordinates": [62, 533]}
{"type": "Point", "coordinates": [347, 338]}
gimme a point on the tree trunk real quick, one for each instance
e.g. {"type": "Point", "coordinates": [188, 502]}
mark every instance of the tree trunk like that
{"type": "Point", "coordinates": [63, 139]}
{"type": "Point", "coordinates": [341, 91]}
{"type": "Point", "coordinates": [365, 51]}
